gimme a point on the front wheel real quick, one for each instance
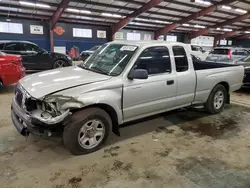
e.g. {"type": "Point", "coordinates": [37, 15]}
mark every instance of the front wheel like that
{"type": "Point", "coordinates": [59, 64]}
{"type": "Point", "coordinates": [88, 131]}
{"type": "Point", "coordinates": [216, 100]}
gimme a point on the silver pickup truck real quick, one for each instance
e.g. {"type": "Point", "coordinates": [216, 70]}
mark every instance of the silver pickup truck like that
{"type": "Point", "coordinates": [120, 82]}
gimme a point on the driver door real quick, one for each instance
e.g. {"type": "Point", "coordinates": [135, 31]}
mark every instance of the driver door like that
{"type": "Point", "coordinates": [155, 94]}
{"type": "Point", "coordinates": [32, 57]}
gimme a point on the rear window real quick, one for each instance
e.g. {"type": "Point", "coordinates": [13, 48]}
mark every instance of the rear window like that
{"type": "Point", "coordinates": [220, 51]}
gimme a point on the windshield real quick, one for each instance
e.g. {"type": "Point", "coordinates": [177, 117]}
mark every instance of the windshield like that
{"type": "Point", "coordinates": [94, 48]}
{"type": "Point", "coordinates": [110, 59]}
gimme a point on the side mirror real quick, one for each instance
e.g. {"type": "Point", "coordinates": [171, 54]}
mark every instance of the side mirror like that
{"type": "Point", "coordinates": [138, 74]}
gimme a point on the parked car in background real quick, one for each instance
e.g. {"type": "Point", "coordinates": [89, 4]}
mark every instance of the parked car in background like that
{"type": "Point", "coordinates": [11, 69]}
{"type": "Point", "coordinates": [227, 54]}
{"type": "Point", "coordinates": [120, 82]}
{"type": "Point", "coordinates": [198, 51]}
{"type": "Point", "coordinates": [85, 54]}
{"type": "Point", "coordinates": [246, 63]}
{"type": "Point", "coordinates": [34, 57]}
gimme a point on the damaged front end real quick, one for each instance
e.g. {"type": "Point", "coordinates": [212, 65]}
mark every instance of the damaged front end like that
{"type": "Point", "coordinates": [53, 109]}
{"type": "Point", "coordinates": [41, 117]}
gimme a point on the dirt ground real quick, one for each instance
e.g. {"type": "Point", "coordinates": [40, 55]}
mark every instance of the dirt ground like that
{"type": "Point", "coordinates": [187, 148]}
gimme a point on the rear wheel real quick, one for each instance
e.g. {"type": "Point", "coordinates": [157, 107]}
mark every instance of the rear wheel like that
{"type": "Point", "coordinates": [216, 100]}
{"type": "Point", "coordinates": [59, 64]}
{"type": "Point", "coordinates": [88, 131]}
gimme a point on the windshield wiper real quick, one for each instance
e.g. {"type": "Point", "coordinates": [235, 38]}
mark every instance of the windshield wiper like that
{"type": "Point", "coordinates": [97, 69]}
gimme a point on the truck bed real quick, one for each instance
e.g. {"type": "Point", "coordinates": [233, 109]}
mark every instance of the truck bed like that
{"type": "Point", "coordinates": [209, 74]}
{"type": "Point", "coordinates": [201, 65]}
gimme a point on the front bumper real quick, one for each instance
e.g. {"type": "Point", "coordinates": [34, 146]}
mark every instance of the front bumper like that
{"type": "Point", "coordinates": [25, 124]}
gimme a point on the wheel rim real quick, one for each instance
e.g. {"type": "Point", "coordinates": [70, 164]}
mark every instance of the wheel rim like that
{"type": "Point", "coordinates": [91, 134]}
{"type": "Point", "coordinates": [218, 100]}
{"type": "Point", "coordinates": [59, 64]}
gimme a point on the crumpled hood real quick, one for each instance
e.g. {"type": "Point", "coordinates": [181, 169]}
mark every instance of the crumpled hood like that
{"type": "Point", "coordinates": [41, 84]}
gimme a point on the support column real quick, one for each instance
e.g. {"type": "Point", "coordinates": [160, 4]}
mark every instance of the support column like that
{"type": "Point", "coordinates": [51, 40]}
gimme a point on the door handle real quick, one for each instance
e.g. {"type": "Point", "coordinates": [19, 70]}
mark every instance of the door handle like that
{"type": "Point", "coordinates": [170, 82]}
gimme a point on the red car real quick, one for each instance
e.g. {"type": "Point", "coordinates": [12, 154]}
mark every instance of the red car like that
{"type": "Point", "coordinates": [11, 69]}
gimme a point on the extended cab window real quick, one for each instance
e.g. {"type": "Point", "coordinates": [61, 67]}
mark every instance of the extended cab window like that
{"type": "Point", "coordinates": [12, 46]}
{"type": "Point", "coordinates": [180, 56]}
{"type": "Point", "coordinates": [155, 60]}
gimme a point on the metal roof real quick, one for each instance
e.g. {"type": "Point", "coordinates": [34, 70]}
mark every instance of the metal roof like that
{"type": "Point", "coordinates": [110, 12]}
{"type": "Point", "coordinates": [145, 43]}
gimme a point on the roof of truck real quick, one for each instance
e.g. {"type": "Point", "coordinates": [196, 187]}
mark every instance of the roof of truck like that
{"type": "Point", "coordinates": [145, 43]}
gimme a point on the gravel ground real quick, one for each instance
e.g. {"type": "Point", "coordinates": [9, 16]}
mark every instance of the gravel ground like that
{"type": "Point", "coordinates": [187, 148]}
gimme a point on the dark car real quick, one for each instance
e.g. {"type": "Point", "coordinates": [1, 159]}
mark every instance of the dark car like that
{"type": "Point", "coordinates": [34, 57]}
{"type": "Point", "coordinates": [246, 63]}
{"type": "Point", "coordinates": [85, 54]}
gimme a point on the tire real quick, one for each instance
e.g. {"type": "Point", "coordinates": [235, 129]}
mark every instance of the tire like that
{"type": "Point", "coordinates": [59, 63]}
{"type": "Point", "coordinates": [80, 129]}
{"type": "Point", "coordinates": [216, 100]}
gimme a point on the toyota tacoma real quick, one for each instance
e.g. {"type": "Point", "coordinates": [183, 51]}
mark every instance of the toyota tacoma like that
{"type": "Point", "coordinates": [120, 82]}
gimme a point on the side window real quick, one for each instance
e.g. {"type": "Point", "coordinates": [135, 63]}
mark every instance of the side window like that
{"type": "Point", "coordinates": [180, 56]}
{"type": "Point", "coordinates": [12, 46]}
{"type": "Point", "coordinates": [30, 47]}
{"type": "Point", "coordinates": [1, 46]}
{"type": "Point", "coordinates": [155, 60]}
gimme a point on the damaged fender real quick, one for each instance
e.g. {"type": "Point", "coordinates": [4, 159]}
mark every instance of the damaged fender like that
{"type": "Point", "coordinates": [64, 102]}
{"type": "Point", "coordinates": [54, 109]}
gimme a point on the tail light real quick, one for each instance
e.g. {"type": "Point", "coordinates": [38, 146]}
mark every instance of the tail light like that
{"type": "Point", "coordinates": [229, 54]}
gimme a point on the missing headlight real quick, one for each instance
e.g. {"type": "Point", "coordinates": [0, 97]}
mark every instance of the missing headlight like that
{"type": "Point", "coordinates": [30, 104]}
